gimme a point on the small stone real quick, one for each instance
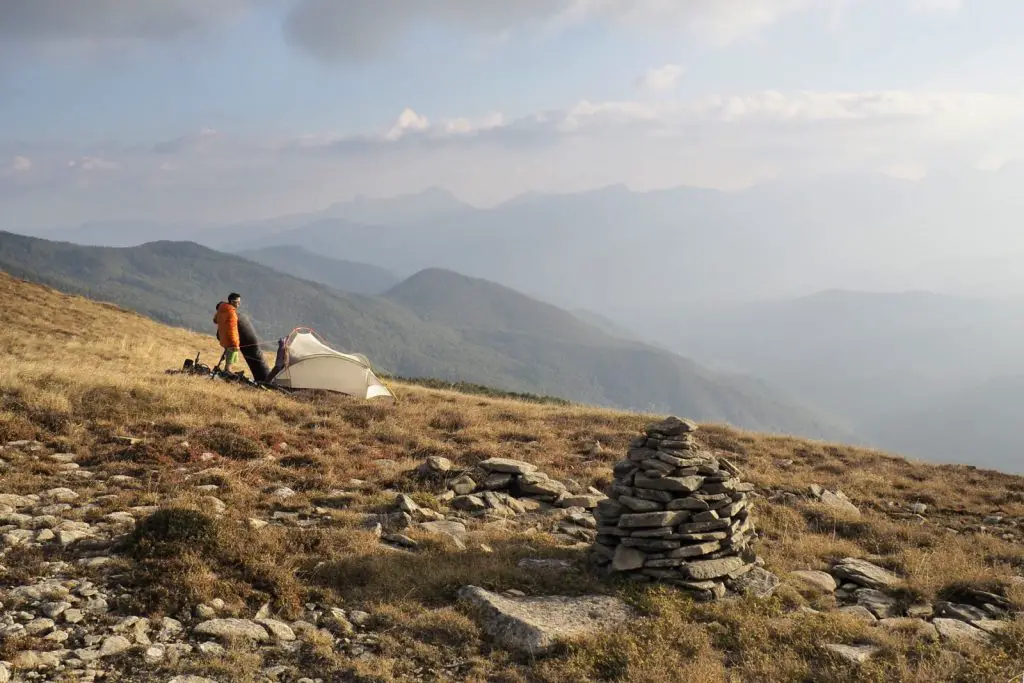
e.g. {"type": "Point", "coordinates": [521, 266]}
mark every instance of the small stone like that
{"type": "Point", "coordinates": [627, 559]}
{"type": "Point", "coordinates": [854, 654]}
{"type": "Point", "coordinates": [839, 502]}
{"type": "Point", "coordinates": [435, 466]}
{"type": "Point", "coordinates": [918, 508]}
{"type": "Point", "coordinates": [278, 629]}
{"type": "Point", "coordinates": [877, 602]}
{"type": "Point", "coordinates": [469, 503]}
{"type": "Point", "coordinates": [359, 618]}
{"type": "Point", "coordinates": [757, 582]}
{"type": "Point", "coordinates": [816, 580]}
{"type": "Point", "coordinates": [38, 627]}
{"type": "Point", "coordinates": [212, 649]}
{"type": "Point", "coordinates": [60, 495]}
{"type": "Point", "coordinates": [154, 654]}
{"type": "Point", "coordinates": [586, 502]}
{"type": "Point", "coordinates": [335, 621]}
{"type": "Point", "coordinates": [114, 645]}
{"type": "Point", "coordinates": [205, 612]}
{"type": "Point", "coordinates": [406, 504]}
{"type": "Point", "coordinates": [463, 485]}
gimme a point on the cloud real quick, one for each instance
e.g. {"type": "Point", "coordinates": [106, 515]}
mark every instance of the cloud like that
{"type": "Point", "coordinates": [72, 27]}
{"type": "Point", "coordinates": [726, 141]}
{"type": "Point", "coordinates": [21, 164]}
{"type": "Point", "coordinates": [407, 121]}
{"type": "Point", "coordinates": [661, 79]}
{"type": "Point", "coordinates": [357, 29]}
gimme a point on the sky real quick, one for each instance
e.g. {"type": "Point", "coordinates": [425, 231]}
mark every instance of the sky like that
{"type": "Point", "coordinates": [191, 110]}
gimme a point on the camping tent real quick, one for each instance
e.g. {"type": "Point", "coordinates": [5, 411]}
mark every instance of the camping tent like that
{"type": "Point", "coordinates": [306, 362]}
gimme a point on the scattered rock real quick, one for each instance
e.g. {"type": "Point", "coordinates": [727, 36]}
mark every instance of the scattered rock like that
{"type": "Point", "coordinates": [864, 573]}
{"type": "Point", "coordinates": [278, 629]}
{"type": "Point", "coordinates": [854, 654]}
{"type": "Point", "coordinates": [757, 582]}
{"type": "Point", "coordinates": [534, 625]}
{"type": "Point", "coordinates": [816, 580]}
{"type": "Point", "coordinates": [508, 466]}
{"type": "Point", "coordinates": [435, 466]}
{"type": "Point", "coordinates": [954, 630]}
{"type": "Point", "coordinates": [232, 629]}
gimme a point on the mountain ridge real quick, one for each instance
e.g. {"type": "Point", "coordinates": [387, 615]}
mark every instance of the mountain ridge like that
{"type": "Point", "coordinates": [179, 283]}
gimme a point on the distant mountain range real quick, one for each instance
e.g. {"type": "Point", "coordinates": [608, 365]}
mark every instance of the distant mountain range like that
{"type": "Point", "coordinates": [436, 324]}
{"type": "Point", "coordinates": [612, 249]}
{"type": "Point", "coordinates": [347, 276]}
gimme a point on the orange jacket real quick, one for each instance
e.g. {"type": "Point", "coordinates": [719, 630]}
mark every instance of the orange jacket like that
{"type": "Point", "coordinates": [227, 325]}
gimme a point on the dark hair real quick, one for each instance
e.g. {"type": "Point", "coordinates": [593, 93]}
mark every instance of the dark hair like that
{"type": "Point", "coordinates": [234, 296]}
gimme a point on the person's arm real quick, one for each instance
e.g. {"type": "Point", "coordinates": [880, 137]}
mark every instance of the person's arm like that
{"type": "Point", "coordinates": [233, 326]}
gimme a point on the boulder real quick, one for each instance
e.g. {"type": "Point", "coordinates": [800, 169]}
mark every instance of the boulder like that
{"type": "Point", "coordinates": [533, 625]}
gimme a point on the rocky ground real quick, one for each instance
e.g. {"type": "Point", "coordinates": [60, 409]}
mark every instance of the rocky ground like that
{"type": "Point", "coordinates": [68, 609]}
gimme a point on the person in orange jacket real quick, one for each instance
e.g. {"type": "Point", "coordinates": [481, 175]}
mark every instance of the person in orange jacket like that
{"type": "Point", "coordinates": [226, 320]}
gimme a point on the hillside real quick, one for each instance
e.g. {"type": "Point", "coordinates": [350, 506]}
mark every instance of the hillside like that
{"type": "Point", "coordinates": [180, 283]}
{"type": "Point", "coordinates": [158, 526]}
{"type": "Point", "coordinates": [346, 276]}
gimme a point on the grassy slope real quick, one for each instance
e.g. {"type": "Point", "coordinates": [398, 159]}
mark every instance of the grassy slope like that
{"type": "Point", "coordinates": [78, 390]}
{"type": "Point", "coordinates": [180, 283]}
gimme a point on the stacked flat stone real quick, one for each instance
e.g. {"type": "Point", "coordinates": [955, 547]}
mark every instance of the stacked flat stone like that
{"type": "Point", "coordinates": [503, 486]}
{"type": "Point", "coordinates": [675, 514]}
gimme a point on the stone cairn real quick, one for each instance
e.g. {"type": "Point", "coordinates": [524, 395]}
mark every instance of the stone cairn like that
{"type": "Point", "coordinates": [675, 514]}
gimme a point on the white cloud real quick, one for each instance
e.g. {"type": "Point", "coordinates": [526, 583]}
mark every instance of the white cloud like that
{"type": "Point", "coordinates": [407, 121]}
{"type": "Point", "coordinates": [662, 78]}
{"type": "Point", "coordinates": [21, 164]}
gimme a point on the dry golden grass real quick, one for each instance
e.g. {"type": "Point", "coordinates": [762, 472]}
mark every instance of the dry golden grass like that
{"type": "Point", "coordinates": [77, 375]}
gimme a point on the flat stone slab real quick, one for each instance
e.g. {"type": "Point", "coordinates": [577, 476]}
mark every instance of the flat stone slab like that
{"type": "Point", "coordinates": [533, 625]}
{"type": "Point", "coordinates": [508, 466]}
{"type": "Point", "coordinates": [954, 629]}
{"type": "Point", "coordinates": [704, 570]}
{"type": "Point", "coordinates": [864, 573]}
{"type": "Point", "coordinates": [229, 629]}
